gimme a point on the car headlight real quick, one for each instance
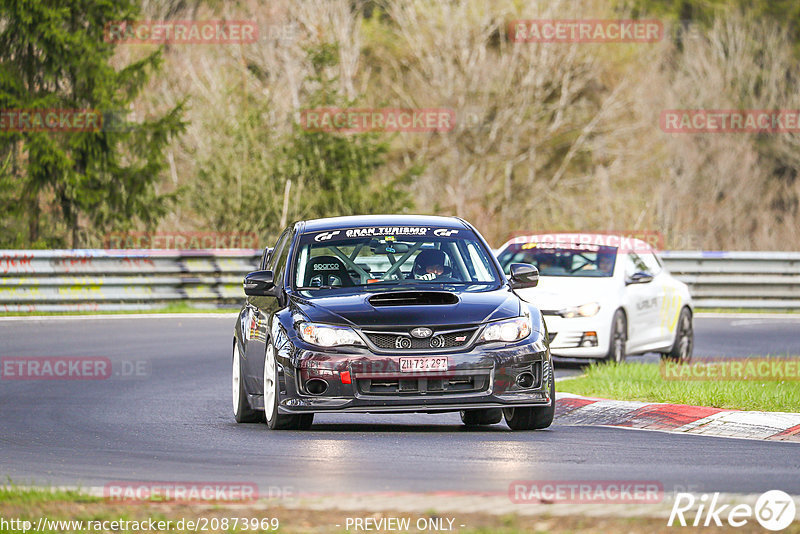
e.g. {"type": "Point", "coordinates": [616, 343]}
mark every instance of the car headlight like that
{"type": "Point", "coordinates": [508, 330]}
{"type": "Point", "coordinates": [328, 336]}
{"type": "Point", "coordinates": [586, 310]}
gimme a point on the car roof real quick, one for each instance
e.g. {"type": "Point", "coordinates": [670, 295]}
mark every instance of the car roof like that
{"type": "Point", "coordinates": [608, 239]}
{"type": "Point", "coordinates": [358, 221]}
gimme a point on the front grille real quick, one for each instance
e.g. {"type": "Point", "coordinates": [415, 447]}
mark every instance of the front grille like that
{"type": "Point", "coordinates": [567, 340]}
{"type": "Point", "coordinates": [404, 341]}
{"type": "Point", "coordinates": [428, 386]}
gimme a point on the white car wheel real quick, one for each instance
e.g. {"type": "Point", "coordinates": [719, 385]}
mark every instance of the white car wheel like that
{"type": "Point", "coordinates": [236, 378]}
{"type": "Point", "coordinates": [242, 411]}
{"type": "Point", "coordinates": [270, 385]}
{"type": "Point", "coordinates": [276, 420]}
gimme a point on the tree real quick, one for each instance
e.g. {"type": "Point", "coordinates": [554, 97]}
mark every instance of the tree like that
{"type": "Point", "coordinates": [335, 170]}
{"type": "Point", "coordinates": [254, 178]}
{"type": "Point", "coordinates": [705, 12]}
{"type": "Point", "coordinates": [53, 55]}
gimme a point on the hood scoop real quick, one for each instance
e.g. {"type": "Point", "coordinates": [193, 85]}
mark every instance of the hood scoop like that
{"type": "Point", "coordinates": [413, 298]}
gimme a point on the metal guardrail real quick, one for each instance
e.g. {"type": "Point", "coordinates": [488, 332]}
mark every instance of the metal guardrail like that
{"type": "Point", "coordinates": [96, 280]}
{"type": "Point", "coordinates": [64, 280]}
{"type": "Point", "coordinates": [762, 280]}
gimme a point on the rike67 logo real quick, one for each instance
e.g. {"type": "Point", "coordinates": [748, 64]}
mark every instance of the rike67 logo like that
{"type": "Point", "coordinates": [774, 510]}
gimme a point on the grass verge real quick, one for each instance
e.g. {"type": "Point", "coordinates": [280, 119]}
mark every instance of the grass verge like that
{"type": "Point", "coordinates": [12, 495]}
{"type": "Point", "coordinates": [641, 382]}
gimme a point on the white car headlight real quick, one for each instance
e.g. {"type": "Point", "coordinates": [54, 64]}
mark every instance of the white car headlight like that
{"type": "Point", "coordinates": [328, 336]}
{"type": "Point", "coordinates": [589, 309]}
{"type": "Point", "coordinates": [508, 330]}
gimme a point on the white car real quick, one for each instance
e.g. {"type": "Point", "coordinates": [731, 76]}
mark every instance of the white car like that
{"type": "Point", "coordinates": [604, 296]}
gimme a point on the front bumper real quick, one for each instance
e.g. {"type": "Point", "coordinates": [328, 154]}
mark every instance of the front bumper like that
{"type": "Point", "coordinates": [487, 376]}
{"type": "Point", "coordinates": [569, 340]}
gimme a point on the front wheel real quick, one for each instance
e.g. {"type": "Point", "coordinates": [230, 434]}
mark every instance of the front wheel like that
{"type": "Point", "coordinates": [617, 349]}
{"type": "Point", "coordinates": [487, 416]}
{"type": "Point", "coordinates": [275, 419]}
{"type": "Point", "coordinates": [683, 346]}
{"type": "Point", "coordinates": [534, 418]}
{"type": "Point", "coordinates": [242, 411]}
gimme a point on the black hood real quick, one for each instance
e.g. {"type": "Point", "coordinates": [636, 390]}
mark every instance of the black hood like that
{"type": "Point", "coordinates": [418, 307]}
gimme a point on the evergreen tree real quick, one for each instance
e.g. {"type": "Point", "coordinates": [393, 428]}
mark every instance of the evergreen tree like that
{"type": "Point", "coordinates": [336, 170]}
{"type": "Point", "coordinates": [54, 55]}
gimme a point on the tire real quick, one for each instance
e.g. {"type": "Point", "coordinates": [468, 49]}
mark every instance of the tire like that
{"type": "Point", "coordinates": [683, 346]}
{"type": "Point", "coordinates": [242, 411]}
{"type": "Point", "coordinates": [534, 418]}
{"type": "Point", "coordinates": [618, 340]}
{"type": "Point", "coordinates": [488, 416]}
{"type": "Point", "coordinates": [276, 420]}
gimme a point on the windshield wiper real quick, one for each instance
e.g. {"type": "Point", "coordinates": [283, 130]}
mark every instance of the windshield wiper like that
{"type": "Point", "coordinates": [470, 283]}
{"type": "Point", "coordinates": [307, 288]}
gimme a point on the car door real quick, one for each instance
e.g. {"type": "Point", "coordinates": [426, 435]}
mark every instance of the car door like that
{"type": "Point", "coordinates": [255, 323]}
{"type": "Point", "coordinates": [641, 302]}
{"type": "Point", "coordinates": [669, 299]}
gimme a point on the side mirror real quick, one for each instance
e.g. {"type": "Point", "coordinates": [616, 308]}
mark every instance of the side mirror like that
{"type": "Point", "coordinates": [259, 284]}
{"type": "Point", "coordinates": [523, 275]}
{"type": "Point", "coordinates": [639, 278]}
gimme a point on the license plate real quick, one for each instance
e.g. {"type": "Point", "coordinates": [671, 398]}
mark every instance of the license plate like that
{"type": "Point", "coordinates": [414, 365]}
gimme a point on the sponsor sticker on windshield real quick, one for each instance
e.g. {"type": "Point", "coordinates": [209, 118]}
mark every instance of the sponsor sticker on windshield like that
{"type": "Point", "coordinates": [388, 233]}
{"type": "Point", "coordinates": [390, 230]}
{"type": "Point", "coordinates": [561, 246]}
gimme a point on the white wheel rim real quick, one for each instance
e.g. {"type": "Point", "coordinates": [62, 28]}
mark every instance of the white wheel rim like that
{"type": "Point", "coordinates": [269, 381]}
{"type": "Point", "coordinates": [235, 381]}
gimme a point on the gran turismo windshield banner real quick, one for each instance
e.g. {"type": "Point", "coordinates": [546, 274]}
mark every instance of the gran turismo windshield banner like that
{"type": "Point", "coordinates": [382, 231]}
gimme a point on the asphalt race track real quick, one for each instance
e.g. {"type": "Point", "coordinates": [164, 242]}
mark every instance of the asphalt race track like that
{"type": "Point", "coordinates": [174, 423]}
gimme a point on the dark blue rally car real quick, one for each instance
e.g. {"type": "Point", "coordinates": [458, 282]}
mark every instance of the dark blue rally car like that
{"type": "Point", "coordinates": [389, 314]}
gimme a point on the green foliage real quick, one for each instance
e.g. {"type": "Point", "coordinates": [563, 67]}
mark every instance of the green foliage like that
{"type": "Point", "coordinates": [54, 56]}
{"type": "Point", "coordinates": [242, 181]}
{"type": "Point", "coordinates": [334, 171]}
{"type": "Point", "coordinates": [704, 12]}
{"type": "Point", "coordinates": [236, 189]}
{"type": "Point", "coordinates": [640, 382]}
{"type": "Point", "coordinates": [11, 494]}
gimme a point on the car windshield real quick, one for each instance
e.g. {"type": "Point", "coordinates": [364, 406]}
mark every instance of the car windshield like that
{"type": "Point", "coordinates": [562, 259]}
{"type": "Point", "coordinates": [340, 260]}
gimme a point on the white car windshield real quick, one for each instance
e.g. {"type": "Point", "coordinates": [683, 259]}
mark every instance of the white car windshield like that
{"type": "Point", "coordinates": [562, 259]}
{"type": "Point", "coordinates": [357, 257]}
